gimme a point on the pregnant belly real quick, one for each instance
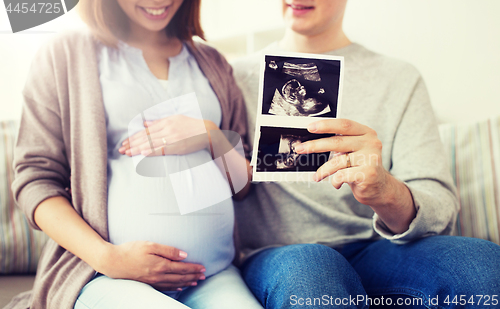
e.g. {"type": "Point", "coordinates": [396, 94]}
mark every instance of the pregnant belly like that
{"type": "Point", "coordinates": [187, 210]}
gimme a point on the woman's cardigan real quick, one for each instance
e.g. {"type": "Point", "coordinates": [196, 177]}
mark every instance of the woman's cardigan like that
{"type": "Point", "coordinates": [62, 144]}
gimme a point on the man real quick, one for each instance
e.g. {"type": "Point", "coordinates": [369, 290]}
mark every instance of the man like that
{"type": "Point", "coordinates": [366, 242]}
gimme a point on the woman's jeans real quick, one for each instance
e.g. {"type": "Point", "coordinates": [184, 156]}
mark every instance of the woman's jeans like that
{"type": "Point", "coordinates": [433, 272]}
{"type": "Point", "coordinates": [224, 290]}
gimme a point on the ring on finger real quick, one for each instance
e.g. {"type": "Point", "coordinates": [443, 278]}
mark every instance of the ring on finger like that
{"type": "Point", "coordinates": [163, 147]}
{"type": "Point", "coordinates": [348, 158]}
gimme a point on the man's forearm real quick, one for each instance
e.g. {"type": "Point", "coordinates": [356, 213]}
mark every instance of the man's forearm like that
{"type": "Point", "coordinates": [396, 208]}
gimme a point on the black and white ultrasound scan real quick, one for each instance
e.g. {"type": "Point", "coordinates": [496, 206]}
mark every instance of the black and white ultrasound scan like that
{"type": "Point", "coordinates": [295, 90]}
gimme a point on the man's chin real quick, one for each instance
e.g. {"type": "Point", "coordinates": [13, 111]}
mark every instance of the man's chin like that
{"type": "Point", "coordinates": [302, 27]}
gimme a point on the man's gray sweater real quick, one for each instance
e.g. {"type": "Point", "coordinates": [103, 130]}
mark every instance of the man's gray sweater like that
{"type": "Point", "coordinates": [390, 97]}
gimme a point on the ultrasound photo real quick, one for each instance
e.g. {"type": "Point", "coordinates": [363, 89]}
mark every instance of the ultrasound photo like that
{"type": "Point", "coordinates": [295, 90]}
{"type": "Point", "coordinates": [277, 151]}
{"type": "Point", "coordinates": [302, 87]}
{"type": "Point", "coordinates": [287, 151]}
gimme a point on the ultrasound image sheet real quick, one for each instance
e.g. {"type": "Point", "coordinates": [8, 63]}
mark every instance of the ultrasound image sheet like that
{"type": "Point", "coordinates": [294, 90]}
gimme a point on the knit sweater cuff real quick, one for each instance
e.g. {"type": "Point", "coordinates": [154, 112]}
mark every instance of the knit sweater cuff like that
{"type": "Point", "coordinates": [35, 193]}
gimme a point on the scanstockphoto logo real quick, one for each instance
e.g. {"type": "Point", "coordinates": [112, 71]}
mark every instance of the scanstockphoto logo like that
{"type": "Point", "coordinates": [25, 14]}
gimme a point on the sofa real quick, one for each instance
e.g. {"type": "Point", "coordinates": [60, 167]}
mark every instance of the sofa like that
{"type": "Point", "coordinates": [474, 159]}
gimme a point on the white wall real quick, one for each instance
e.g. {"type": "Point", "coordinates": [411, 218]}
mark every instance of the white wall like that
{"type": "Point", "coordinates": [16, 53]}
{"type": "Point", "coordinates": [225, 18]}
{"type": "Point", "coordinates": [454, 43]}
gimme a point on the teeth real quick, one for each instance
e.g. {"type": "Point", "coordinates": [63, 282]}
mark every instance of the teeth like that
{"type": "Point", "coordinates": [155, 12]}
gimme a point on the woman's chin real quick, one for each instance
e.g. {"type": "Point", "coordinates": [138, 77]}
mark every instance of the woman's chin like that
{"type": "Point", "coordinates": [153, 28]}
{"type": "Point", "coordinates": [157, 29]}
{"type": "Point", "coordinates": [152, 25]}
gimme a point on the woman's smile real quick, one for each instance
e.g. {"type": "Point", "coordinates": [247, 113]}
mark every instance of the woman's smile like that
{"type": "Point", "coordinates": [153, 16]}
{"type": "Point", "coordinates": [156, 12]}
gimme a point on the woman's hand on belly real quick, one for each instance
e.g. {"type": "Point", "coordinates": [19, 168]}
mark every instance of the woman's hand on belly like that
{"type": "Point", "coordinates": [157, 265]}
{"type": "Point", "coordinates": [173, 135]}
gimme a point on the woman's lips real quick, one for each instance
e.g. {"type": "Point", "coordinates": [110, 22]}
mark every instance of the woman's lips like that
{"type": "Point", "coordinates": [299, 10]}
{"type": "Point", "coordinates": [155, 13]}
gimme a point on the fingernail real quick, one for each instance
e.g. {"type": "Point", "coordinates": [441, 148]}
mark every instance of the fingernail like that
{"type": "Point", "coordinates": [299, 148]}
{"type": "Point", "coordinates": [194, 284]}
{"type": "Point", "coordinates": [202, 277]}
{"type": "Point", "coordinates": [122, 149]}
{"type": "Point", "coordinates": [312, 127]}
{"type": "Point", "coordinates": [203, 270]}
{"type": "Point", "coordinates": [315, 177]}
{"type": "Point", "coordinates": [128, 152]}
{"type": "Point", "coordinates": [125, 142]}
{"type": "Point", "coordinates": [179, 289]}
{"type": "Point", "coordinates": [183, 254]}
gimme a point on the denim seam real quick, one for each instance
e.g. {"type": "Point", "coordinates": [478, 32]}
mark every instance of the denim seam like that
{"type": "Point", "coordinates": [404, 291]}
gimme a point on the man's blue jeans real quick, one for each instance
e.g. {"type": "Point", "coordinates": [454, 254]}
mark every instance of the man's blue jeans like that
{"type": "Point", "coordinates": [433, 272]}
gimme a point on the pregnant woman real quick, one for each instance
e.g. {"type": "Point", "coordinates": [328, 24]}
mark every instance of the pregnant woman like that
{"type": "Point", "coordinates": [115, 162]}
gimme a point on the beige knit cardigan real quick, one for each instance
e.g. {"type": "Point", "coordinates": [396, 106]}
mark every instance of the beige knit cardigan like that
{"type": "Point", "coordinates": [62, 143]}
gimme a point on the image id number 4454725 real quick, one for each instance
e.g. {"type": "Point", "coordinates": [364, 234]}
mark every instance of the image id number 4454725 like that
{"type": "Point", "coordinates": [474, 300]}
{"type": "Point", "coordinates": [39, 7]}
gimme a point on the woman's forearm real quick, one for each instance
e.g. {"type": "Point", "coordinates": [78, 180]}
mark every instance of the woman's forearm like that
{"type": "Point", "coordinates": [60, 221]}
{"type": "Point", "coordinates": [237, 164]}
{"type": "Point", "coordinates": [240, 176]}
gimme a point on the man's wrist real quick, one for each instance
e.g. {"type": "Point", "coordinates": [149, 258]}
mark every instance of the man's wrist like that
{"type": "Point", "coordinates": [397, 208]}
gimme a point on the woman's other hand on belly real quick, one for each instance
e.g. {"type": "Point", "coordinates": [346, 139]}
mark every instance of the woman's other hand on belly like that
{"type": "Point", "coordinates": [157, 265]}
{"type": "Point", "coordinates": [173, 135]}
